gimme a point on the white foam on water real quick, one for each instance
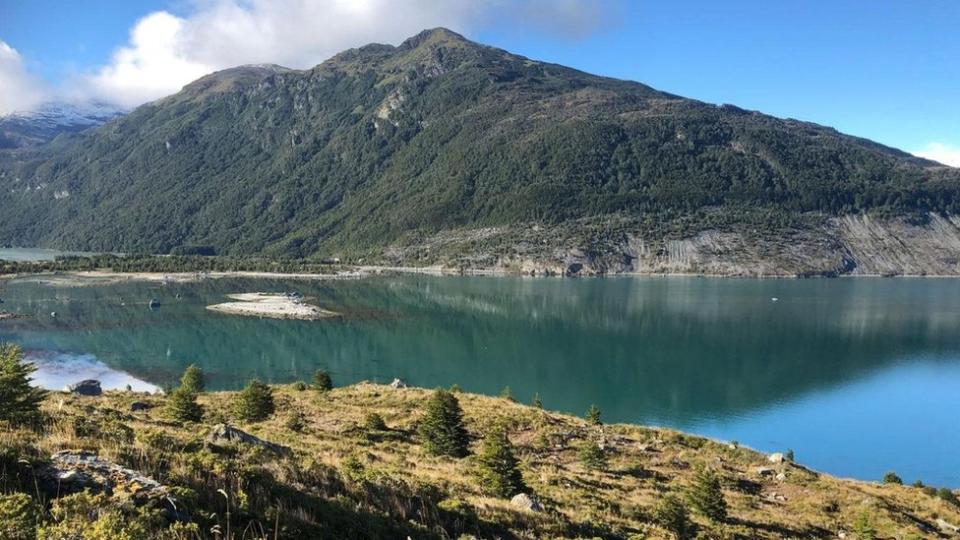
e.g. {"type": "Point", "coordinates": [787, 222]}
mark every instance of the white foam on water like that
{"type": "Point", "coordinates": [56, 371]}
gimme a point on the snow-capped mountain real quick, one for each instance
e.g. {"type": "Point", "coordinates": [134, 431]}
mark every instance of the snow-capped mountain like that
{"type": "Point", "coordinates": [23, 129]}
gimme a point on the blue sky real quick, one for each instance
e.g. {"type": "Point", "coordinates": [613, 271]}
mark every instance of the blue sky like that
{"type": "Point", "coordinates": [882, 69]}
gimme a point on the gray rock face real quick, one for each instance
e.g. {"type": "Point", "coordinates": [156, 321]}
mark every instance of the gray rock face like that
{"type": "Point", "coordinates": [776, 457]}
{"type": "Point", "coordinates": [75, 471]}
{"type": "Point", "coordinates": [397, 383]}
{"type": "Point", "coordinates": [89, 387]}
{"type": "Point", "coordinates": [222, 434]}
{"type": "Point", "coordinates": [525, 501]}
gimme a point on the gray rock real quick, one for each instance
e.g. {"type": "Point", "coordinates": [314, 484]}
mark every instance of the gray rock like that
{"type": "Point", "coordinates": [397, 383]}
{"type": "Point", "coordinates": [139, 406]}
{"type": "Point", "coordinates": [525, 501]}
{"type": "Point", "coordinates": [89, 387]}
{"type": "Point", "coordinates": [764, 471]}
{"type": "Point", "coordinates": [222, 434]}
{"type": "Point", "coordinates": [776, 457]}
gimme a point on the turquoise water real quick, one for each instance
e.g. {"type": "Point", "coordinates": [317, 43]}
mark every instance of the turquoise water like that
{"type": "Point", "coordinates": [33, 254]}
{"type": "Point", "coordinates": [857, 376]}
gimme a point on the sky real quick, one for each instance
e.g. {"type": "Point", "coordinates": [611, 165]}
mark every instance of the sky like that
{"type": "Point", "coordinates": [887, 70]}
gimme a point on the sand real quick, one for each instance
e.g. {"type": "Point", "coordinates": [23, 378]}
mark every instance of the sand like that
{"type": "Point", "coordinates": [272, 305]}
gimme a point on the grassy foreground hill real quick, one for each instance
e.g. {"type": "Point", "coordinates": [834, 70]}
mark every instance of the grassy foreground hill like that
{"type": "Point", "coordinates": [347, 476]}
{"type": "Point", "coordinates": [442, 150]}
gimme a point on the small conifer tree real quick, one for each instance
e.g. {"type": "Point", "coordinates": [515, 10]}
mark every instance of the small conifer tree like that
{"type": "Point", "coordinates": [255, 402]}
{"type": "Point", "coordinates": [892, 478]}
{"type": "Point", "coordinates": [706, 495]}
{"type": "Point", "coordinates": [182, 405]}
{"type": "Point", "coordinates": [374, 422]}
{"type": "Point", "coordinates": [672, 515]}
{"type": "Point", "coordinates": [498, 470]}
{"type": "Point", "coordinates": [322, 381]}
{"type": "Point", "coordinates": [441, 427]}
{"type": "Point", "coordinates": [193, 379]}
{"type": "Point", "coordinates": [536, 401]}
{"type": "Point", "coordinates": [593, 415]}
{"type": "Point", "coordinates": [506, 393]}
{"type": "Point", "coordinates": [592, 456]}
{"type": "Point", "coordinates": [20, 401]}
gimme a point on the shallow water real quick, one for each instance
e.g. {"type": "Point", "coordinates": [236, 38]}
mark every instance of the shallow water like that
{"type": "Point", "coordinates": [33, 254]}
{"type": "Point", "coordinates": [857, 376]}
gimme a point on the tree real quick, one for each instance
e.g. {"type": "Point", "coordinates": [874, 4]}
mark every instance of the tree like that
{"type": "Point", "coordinates": [706, 495]}
{"type": "Point", "coordinates": [506, 393]}
{"type": "Point", "coordinates": [182, 405]}
{"type": "Point", "coordinates": [892, 478]}
{"type": "Point", "coordinates": [442, 426]}
{"type": "Point", "coordinates": [672, 515]}
{"type": "Point", "coordinates": [21, 402]}
{"type": "Point", "coordinates": [193, 379]}
{"type": "Point", "coordinates": [592, 456]}
{"type": "Point", "coordinates": [255, 402]}
{"type": "Point", "coordinates": [374, 422]}
{"type": "Point", "coordinates": [322, 381]}
{"type": "Point", "coordinates": [593, 415]}
{"type": "Point", "coordinates": [498, 472]}
{"type": "Point", "coordinates": [537, 402]}
{"type": "Point", "coordinates": [863, 526]}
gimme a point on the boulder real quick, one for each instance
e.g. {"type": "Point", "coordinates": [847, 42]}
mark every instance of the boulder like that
{"type": "Point", "coordinates": [526, 501]}
{"type": "Point", "coordinates": [764, 471]}
{"type": "Point", "coordinates": [139, 406]}
{"type": "Point", "coordinates": [397, 383]}
{"type": "Point", "coordinates": [71, 471]}
{"type": "Point", "coordinates": [776, 457]}
{"type": "Point", "coordinates": [89, 387]}
{"type": "Point", "coordinates": [222, 434]}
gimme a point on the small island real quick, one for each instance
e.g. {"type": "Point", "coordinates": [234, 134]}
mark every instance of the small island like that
{"type": "Point", "coordinates": [273, 305]}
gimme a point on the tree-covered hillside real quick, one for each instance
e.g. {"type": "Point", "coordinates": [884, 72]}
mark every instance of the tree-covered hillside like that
{"type": "Point", "coordinates": [381, 146]}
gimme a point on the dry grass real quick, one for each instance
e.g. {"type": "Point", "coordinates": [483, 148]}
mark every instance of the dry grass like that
{"type": "Point", "coordinates": [618, 502]}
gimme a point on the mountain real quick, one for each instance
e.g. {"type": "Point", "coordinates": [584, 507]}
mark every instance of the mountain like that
{"type": "Point", "coordinates": [441, 150]}
{"type": "Point", "coordinates": [19, 130]}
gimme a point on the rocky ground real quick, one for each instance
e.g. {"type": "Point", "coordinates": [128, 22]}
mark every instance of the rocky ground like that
{"type": "Point", "coordinates": [317, 469]}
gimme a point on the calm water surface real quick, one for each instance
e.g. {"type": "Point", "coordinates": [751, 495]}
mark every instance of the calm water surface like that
{"type": "Point", "coordinates": [857, 376]}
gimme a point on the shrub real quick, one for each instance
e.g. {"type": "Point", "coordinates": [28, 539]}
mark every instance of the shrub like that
{"type": "Point", "coordinates": [182, 405]}
{"type": "Point", "coordinates": [295, 422]}
{"type": "Point", "coordinates": [892, 478]}
{"type": "Point", "coordinates": [789, 455]}
{"type": "Point", "coordinates": [353, 469]}
{"type": "Point", "coordinates": [593, 415]}
{"type": "Point", "coordinates": [374, 422]}
{"type": "Point", "coordinates": [193, 380]}
{"type": "Point", "coordinates": [21, 402]}
{"type": "Point", "coordinates": [300, 386]}
{"type": "Point", "coordinates": [706, 495]}
{"type": "Point", "coordinates": [672, 515]}
{"type": "Point", "coordinates": [863, 527]}
{"type": "Point", "coordinates": [507, 394]}
{"type": "Point", "coordinates": [592, 456]}
{"type": "Point", "coordinates": [322, 381]}
{"type": "Point", "coordinates": [498, 472]}
{"type": "Point", "coordinates": [536, 401]}
{"type": "Point", "coordinates": [254, 403]}
{"type": "Point", "coordinates": [948, 496]}
{"type": "Point", "coordinates": [442, 426]}
{"type": "Point", "coordinates": [18, 517]}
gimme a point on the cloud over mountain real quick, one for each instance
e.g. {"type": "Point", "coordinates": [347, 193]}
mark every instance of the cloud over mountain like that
{"type": "Point", "coordinates": [20, 90]}
{"type": "Point", "coordinates": [166, 51]}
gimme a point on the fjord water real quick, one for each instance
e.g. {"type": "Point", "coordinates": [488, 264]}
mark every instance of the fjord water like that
{"type": "Point", "coordinates": [857, 376]}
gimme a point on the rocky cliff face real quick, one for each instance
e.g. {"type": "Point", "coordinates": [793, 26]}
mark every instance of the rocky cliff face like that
{"type": "Point", "coordinates": [837, 246]}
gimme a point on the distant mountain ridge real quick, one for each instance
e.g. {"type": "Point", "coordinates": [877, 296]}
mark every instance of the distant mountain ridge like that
{"type": "Point", "coordinates": [441, 150]}
{"type": "Point", "coordinates": [45, 122]}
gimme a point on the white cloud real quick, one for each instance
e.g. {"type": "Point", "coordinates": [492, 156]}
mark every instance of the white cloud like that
{"type": "Point", "coordinates": [19, 91]}
{"type": "Point", "coordinates": [943, 153]}
{"type": "Point", "coordinates": [165, 51]}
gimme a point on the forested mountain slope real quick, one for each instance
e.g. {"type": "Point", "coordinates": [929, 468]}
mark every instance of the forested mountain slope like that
{"type": "Point", "coordinates": [442, 150]}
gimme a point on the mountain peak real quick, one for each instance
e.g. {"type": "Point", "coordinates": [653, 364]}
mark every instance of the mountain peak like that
{"type": "Point", "coordinates": [438, 36]}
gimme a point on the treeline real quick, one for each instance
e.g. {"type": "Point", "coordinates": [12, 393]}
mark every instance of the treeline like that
{"type": "Point", "coordinates": [171, 263]}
